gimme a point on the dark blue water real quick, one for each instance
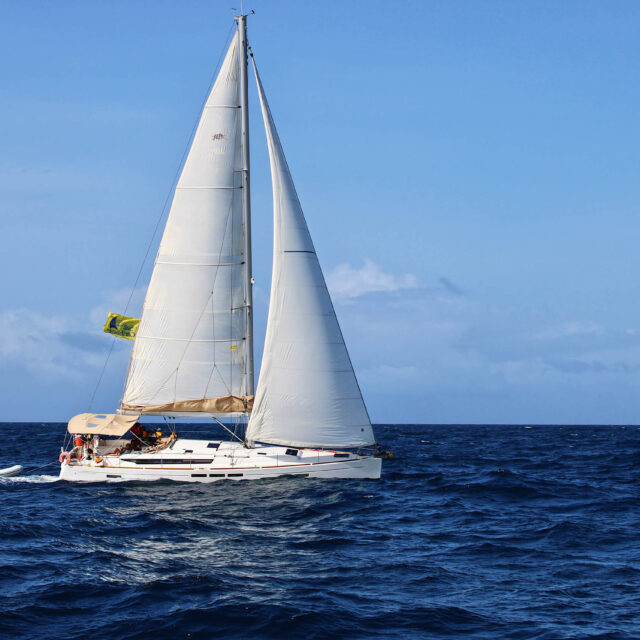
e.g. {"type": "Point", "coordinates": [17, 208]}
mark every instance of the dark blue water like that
{"type": "Point", "coordinates": [473, 531]}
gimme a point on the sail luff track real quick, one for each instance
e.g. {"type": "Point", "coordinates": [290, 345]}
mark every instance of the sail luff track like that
{"type": "Point", "coordinates": [246, 199]}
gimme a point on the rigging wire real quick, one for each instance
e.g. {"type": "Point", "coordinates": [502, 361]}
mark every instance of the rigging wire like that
{"type": "Point", "coordinates": [224, 426]}
{"type": "Point", "coordinates": [164, 208]}
{"type": "Point", "coordinates": [42, 467]}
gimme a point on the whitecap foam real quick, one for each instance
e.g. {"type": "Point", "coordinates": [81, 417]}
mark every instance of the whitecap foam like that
{"type": "Point", "coordinates": [33, 479]}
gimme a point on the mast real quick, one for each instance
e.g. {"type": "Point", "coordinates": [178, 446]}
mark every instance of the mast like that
{"type": "Point", "coordinates": [246, 197]}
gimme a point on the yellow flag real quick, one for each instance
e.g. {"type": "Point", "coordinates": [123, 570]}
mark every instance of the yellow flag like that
{"type": "Point", "coordinates": [121, 326]}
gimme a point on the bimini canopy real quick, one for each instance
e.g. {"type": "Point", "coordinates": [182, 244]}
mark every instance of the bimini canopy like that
{"type": "Point", "coordinates": [102, 424]}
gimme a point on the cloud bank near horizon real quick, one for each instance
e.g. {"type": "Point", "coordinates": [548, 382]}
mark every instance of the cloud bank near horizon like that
{"type": "Point", "coordinates": [423, 353]}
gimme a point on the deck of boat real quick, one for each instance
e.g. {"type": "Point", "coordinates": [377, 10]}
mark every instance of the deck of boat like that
{"type": "Point", "coordinates": [213, 460]}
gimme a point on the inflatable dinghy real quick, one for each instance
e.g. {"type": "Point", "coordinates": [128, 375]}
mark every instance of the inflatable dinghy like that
{"type": "Point", "coordinates": [16, 470]}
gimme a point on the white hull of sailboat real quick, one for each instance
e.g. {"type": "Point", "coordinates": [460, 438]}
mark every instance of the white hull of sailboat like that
{"type": "Point", "coordinates": [210, 461]}
{"type": "Point", "coordinates": [193, 349]}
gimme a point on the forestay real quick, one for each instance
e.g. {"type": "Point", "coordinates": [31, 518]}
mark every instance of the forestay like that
{"type": "Point", "coordinates": [307, 392]}
{"type": "Point", "coordinates": [189, 353]}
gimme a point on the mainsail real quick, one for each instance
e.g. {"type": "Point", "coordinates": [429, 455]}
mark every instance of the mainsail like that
{"type": "Point", "coordinates": [189, 356]}
{"type": "Point", "coordinates": [307, 391]}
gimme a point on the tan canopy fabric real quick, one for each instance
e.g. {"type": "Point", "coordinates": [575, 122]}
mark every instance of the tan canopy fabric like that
{"type": "Point", "coordinates": [225, 404]}
{"type": "Point", "coordinates": [103, 424]}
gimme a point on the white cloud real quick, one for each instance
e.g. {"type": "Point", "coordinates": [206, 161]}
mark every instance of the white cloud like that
{"type": "Point", "coordinates": [566, 329]}
{"type": "Point", "coordinates": [436, 356]}
{"type": "Point", "coordinates": [50, 364]}
{"type": "Point", "coordinates": [346, 281]}
{"type": "Point", "coordinates": [53, 348]}
{"type": "Point", "coordinates": [430, 356]}
{"type": "Point", "coordinates": [44, 345]}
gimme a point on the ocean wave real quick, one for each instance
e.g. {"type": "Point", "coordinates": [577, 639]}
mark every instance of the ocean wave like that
{"type": "Point", "coordinates": [476, 532]}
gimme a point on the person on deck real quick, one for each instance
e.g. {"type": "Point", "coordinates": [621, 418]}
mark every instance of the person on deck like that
{"type": "Point", "coordinates": [78, 441]}
{"type": "Point", "coordinates": [137, 432]}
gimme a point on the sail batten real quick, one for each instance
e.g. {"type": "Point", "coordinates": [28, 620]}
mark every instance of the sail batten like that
{"type": "Point", "coordinates": [307, 393]}
{"type": "Point", "coordinates": [189, 354]}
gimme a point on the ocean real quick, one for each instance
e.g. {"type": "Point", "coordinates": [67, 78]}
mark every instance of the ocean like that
{"type": "Point", "coordinates": [473, 532]}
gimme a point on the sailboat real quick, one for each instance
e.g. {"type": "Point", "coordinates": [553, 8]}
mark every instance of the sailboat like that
{"type": "Point", "coordinates": [192, 355]}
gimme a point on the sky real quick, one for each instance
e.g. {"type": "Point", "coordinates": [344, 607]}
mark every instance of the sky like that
{"type": "Point", "coordinates": [468, 170]}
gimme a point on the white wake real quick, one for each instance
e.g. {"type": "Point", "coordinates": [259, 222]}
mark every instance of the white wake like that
{"type": "Point", "coordinates": [32, 479]}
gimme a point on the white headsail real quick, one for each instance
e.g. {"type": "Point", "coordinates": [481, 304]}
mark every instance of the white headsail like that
{"type": "Point", "coordinates": [307, 391]}
{"type": "Point", "coordinates": [190, 351]}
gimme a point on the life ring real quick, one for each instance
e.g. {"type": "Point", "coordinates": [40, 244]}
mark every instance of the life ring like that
{"type": "Point", "coordinates": [65, 455]}
{"type": "Point", "coordinates": [98, 461]}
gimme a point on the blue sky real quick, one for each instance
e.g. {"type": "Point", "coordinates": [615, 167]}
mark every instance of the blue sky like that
{"type": "Point", "coordinates": [469, 172]}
